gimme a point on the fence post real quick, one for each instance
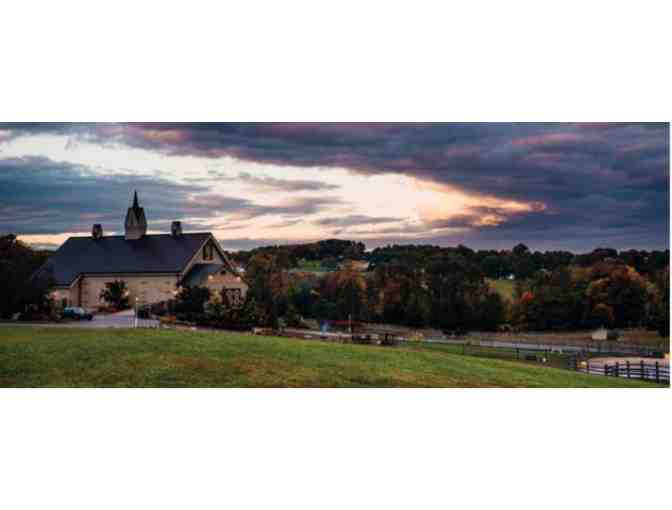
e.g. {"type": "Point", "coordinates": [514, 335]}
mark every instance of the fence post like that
{"type": "Point", "coordinates": [657, 372]}
{"type": "Point", "coordinates": [588, 365]}
{"type": "Point", "coordinates": [627, 368]}
{"type": "Point", "coordinates": [606, 369]}
{"type": "Point", "coordinates": [617, 374]}
{"type": "Point", "coordinates": [641, 369]}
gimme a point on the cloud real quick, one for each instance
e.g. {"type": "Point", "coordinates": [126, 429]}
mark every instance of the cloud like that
{"type": "Point", "coordinates": [354, 220]}
{"type": "Point", "coordinates": [265, 183]}
{"type": "Point", "coordinates": [590, 176]}
{"type": "Point", "coordinates": [41, 196]}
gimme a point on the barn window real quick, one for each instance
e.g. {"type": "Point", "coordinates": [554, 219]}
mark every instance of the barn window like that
{"type": "Point", "coordinates": [208, 252]}
{"type": "Point", "coordinates": [234, 297]}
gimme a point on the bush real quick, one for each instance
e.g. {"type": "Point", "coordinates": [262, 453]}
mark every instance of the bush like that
{"type": "Point", "coordinates": [116, 294]}
{"type": "Point", "coordinates": [292, 319]}
{"type": "Point", "coordinates": [192, 300]}
{"type": "Point", "coordinates": [220, 313]}
{"type": "Point", "coordinates": [200, 319]}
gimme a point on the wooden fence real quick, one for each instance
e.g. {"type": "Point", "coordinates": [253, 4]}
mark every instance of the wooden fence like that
{"type": "Point", "coordinates": [650, 371]}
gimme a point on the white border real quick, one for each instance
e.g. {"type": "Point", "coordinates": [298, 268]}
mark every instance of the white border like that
{"type": "Point", "coordinates": [345, 61]}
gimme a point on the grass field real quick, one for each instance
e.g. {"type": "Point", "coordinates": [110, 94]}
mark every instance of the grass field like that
{"type": "Point", "coordinates": [61, 357]}
{"type": "Point", "coordinates": [504, 288]}
{"type": "Point", "coordinates": [312, 266]}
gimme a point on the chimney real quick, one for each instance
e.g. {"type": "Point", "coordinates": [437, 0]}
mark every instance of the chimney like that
{"type": "Point", "coordinates": [176, 229]}
{"type": "Point", "coordinates": [97, 231]}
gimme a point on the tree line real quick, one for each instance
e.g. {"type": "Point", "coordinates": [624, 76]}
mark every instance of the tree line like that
{"type": "Point", "coordinates": [413, 285]}
{"type": "Point", "coordinates": [448, 289]}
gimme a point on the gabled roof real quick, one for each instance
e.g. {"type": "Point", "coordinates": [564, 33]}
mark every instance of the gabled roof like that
{"type": "Point", "coordinates": [162, 253]}
{"type": "Point", "coordinates": [199, 272]}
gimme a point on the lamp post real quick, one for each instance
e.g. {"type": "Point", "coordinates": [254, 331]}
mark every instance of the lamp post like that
{"type": "Point", "coordinates": [136, 312]}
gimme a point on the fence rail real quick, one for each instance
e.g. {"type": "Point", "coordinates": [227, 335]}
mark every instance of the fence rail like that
{"type": "Point", "coordinates": [576, 358]}
{"type": "Point", "coordinates": [649, 371]}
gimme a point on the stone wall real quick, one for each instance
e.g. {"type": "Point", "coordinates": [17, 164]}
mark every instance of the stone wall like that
{"type": "Point", "coordinates": [148, 289]}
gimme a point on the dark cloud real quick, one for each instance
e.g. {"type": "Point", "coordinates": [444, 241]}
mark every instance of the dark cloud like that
{"type": "Point", "coordinates": [600, 182]}
{"type": "Point", "coordinates": [41, 196]}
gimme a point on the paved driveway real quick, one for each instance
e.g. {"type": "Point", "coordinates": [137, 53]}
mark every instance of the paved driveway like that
{"type": "Point", "coordinates": [125, 319]}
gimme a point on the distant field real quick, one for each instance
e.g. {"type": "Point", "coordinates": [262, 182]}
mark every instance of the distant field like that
{"type": "Point", "coordinates": [504, 288]}
{"type": "Point", "coordinates": [62, 357]}
{"type": "Point", "coordinates": [314, 266]}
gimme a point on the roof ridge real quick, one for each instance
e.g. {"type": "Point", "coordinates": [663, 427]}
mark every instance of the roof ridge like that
{"type": "Point", "coordinates": [146, 235]}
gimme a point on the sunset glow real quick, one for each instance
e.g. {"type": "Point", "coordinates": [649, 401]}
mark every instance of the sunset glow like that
{"type": "Point", "coordinates": [253, 184]}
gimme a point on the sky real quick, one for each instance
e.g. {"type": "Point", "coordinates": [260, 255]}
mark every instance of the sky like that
{"type": "Point", "coordinates": [551, 186]}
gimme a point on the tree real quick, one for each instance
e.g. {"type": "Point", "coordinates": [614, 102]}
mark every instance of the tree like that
{"type": "Point", "coordinates": [268, 286]}
{"type": "Point", "coordinates": [554, 300]}
{"type": "Point", "coordinates": [491, 311]}
{"type": "Point", "coordinates": [661, 316]}
{"type": "Point", "coordinates": [454, 285]}
{"type": "Point", "coordinates": [520, 250]}
{"type": "Point", "coordinates": [492, 266]}
{"type": "Point", "coordinates": [192, 300]}
{"type": "Point", "coordinates": [116, 294]}
{"type": "Point", "coordinates": [347, 290]}
{"type": "Point", "coordinates": [22, 281]}
{"type": "Point", "coordinates": [625, 291]}
{"type": "Point", "coordinates": [330, 263]}
{"type": "Point", "coordinates": [302, 296]}
{"type": "Point", "coordinates": [417, 312]}
{"type": "Point", "coordinates": [292, 317]}
{"type": "Point", "coordinates": [603, 315]}
{"type": "Point", "coordinates": [523, 266]}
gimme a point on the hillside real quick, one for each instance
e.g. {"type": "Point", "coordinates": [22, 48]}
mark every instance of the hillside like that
{"type": "Point", "coordinates": [505, 288]}
{"type": "Point", "coordinates": [62, 357]}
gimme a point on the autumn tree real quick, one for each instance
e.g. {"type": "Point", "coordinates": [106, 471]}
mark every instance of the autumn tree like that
{"type": "Point", "coordinates": [625, 291]}
{"type": "Point", "coordinates": [347, 290]}
{"type": "Point", "coordinates": [268, 286]}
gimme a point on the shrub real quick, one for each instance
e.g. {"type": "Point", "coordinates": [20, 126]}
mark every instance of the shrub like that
{"type": "Point", "coordinates": [116, 294]}
{"type": "Point", "coordinates": [192, 300]}
{"type": "Point", "coordinates": [292, 318]}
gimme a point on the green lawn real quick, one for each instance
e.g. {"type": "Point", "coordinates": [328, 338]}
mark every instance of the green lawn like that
{"type": "Point", "coordinates": [62, 357]}
{"type": "Point", "coordinates": [504, 288]}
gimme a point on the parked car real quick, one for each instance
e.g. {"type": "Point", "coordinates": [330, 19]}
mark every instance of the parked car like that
{"type": "Point", "coordinates": [76, 313]}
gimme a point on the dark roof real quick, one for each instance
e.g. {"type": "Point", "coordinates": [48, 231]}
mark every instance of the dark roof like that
{"type": "Point", "coordinates": [160, 253]}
